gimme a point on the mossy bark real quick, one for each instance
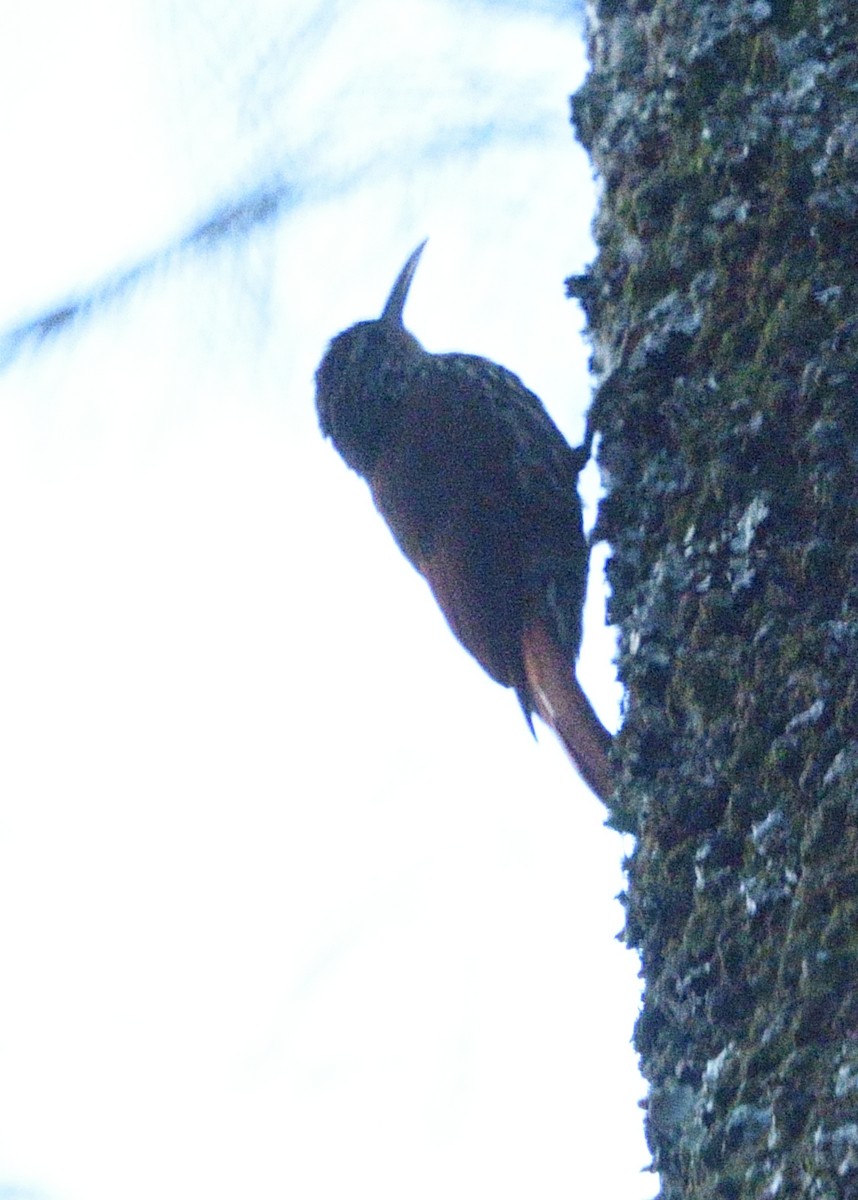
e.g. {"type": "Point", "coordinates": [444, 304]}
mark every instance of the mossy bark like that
{"type": "Point", "coordinates": [723, 308]}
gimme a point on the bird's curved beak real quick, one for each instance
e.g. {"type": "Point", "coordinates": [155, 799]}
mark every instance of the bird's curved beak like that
{"type": "Point", "coordinates": [392, 312]}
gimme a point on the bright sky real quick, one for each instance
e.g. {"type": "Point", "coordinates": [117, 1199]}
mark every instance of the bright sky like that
{"type": "Point", "coordinates": [291, 905]}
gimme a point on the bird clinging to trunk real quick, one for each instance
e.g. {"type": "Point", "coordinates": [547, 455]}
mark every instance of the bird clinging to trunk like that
{"type": "Point", "coordinates": [479, 489]}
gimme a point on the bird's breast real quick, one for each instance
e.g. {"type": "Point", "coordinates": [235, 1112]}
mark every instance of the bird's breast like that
{"type": "Point", "coordinates": [445, 488]}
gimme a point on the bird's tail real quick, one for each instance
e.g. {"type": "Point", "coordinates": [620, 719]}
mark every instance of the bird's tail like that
{"type": "Point", "coordinates": [561, 703]}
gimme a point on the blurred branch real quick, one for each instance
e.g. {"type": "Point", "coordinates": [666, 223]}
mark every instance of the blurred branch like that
{"type": "Point", "coordinates": [230, 222]}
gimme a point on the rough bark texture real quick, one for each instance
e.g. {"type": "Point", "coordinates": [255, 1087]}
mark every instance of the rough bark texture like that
{"type": "Point", "coordinates": [723, 309]}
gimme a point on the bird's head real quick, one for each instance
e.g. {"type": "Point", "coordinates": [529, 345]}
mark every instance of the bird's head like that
{"type": "Point", "coordinates": [361, 381]}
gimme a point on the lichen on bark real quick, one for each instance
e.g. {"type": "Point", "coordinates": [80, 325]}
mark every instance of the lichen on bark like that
{"type": "Point", "coordinates": [723, 311]}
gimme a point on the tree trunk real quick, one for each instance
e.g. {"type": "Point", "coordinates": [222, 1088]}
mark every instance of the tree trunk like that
{"type": "Point", "coordinates": [723, 309]}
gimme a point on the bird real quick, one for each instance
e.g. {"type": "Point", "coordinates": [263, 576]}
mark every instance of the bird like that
{"type": "Point", "coordinates": [479, 489]}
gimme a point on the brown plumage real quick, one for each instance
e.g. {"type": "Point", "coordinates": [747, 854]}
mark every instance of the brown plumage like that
{"type": "Point", "coordinates": [479, 488]}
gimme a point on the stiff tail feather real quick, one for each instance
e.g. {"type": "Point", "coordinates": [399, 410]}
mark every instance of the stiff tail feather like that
{"type": "Point", "coordinates": [561, 703]}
